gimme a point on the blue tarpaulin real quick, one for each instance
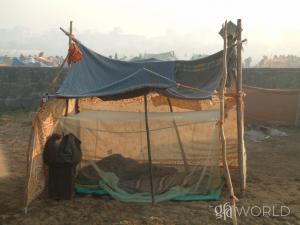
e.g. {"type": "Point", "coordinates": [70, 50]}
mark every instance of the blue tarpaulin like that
{"type": "Point", "coordinates": [98, 76]}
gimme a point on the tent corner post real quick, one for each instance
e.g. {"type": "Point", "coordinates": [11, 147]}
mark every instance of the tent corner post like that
{"type": "Point", "coordinates": [240, 112]}
{"type": "Point", "coordinates": [67, 107]}
{"type": "Point", "coordinates": [149, 149]}
{"type": "Point", "coordinates": [222, 133]}
{"type": "Point", "coordinates": [77, 110]}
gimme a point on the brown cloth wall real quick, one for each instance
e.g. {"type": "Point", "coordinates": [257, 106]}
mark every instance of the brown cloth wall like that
{"type": "Point", "coordinates": [272, 106]}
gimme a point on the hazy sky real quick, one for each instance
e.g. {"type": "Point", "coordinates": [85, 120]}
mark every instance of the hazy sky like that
{"type": "Point", "coordinates": [138, 26]}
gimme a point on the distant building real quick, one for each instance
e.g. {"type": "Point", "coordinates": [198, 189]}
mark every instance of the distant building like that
{"type": "Point", "coordinates": [5, 61]}
{"type": "Point", "coordinates": [16, 62]}
{"type": "Point", "coordinates": [31, 61]}
{"type": "Point", "coordinates": [281, 61]}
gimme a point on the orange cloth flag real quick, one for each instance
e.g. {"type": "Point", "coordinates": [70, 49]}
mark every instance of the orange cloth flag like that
{"type": "Point", "coordinates": [75, 55]}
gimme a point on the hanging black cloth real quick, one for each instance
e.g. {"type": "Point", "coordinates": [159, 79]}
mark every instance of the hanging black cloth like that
{"type": "Point", "coordinates": [62, 154]}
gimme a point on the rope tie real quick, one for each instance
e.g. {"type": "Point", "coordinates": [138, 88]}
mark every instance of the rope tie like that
{"type": "Point", "coordinates": [232, 196]}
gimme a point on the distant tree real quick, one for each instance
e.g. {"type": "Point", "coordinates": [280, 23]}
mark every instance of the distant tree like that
{"type": "Point", "coordinates": [197, 56]}
{"type": "Point", "coordinates": [247, 62]}
{"type": "Point", "coordinates": [263, 62]}
{"type": "Point", "coordinates": [124, 58]}
{"type": "Point", "coordinates": [22, 57]}
{"type": "Point", "coordinates": [116, 56]}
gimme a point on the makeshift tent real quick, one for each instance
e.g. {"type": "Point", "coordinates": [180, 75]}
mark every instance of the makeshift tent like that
{"type": "Point", "coordinates": [149, 130]}
{"type": "Point", "coordinates": [121, 79]}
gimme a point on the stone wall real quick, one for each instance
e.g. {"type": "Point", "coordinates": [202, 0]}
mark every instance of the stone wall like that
{"type": "Point", "coordinates": [21, 88]}
{"type": "Point", "coordinates": [274, 78]}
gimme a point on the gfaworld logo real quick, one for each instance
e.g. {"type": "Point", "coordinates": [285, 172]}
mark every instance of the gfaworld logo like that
{"type": "Point", "coordinates": [226, 211]}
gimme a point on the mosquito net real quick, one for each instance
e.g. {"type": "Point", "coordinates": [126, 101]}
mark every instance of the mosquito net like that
{"type": "Point", "coordinates": [184, 152]}
{"type": "Point", "coordinates": [185, 147]}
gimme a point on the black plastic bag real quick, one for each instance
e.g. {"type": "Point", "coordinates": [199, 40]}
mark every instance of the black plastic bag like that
{"type": "Point", "coordinates": [62, 151]}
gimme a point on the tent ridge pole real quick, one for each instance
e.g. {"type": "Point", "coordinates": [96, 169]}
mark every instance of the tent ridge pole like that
{"type": "Point", "coordinates": [149, 149]}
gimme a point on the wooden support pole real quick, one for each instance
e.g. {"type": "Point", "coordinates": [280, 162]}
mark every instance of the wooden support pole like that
{"type": "Point", "coordinates": [222, 133]}
{"type": "Point", "coordinates": [77, 106]}
{"type": "Point", "coordinates": [70, 42]}
{"type": "Point", "coordinates": [186, 167]}
{"type": "Point", "coordinates": [67, 107]}
{"type": "Point", "coordinates": [68, 34]}
{"type": "Point", "coordinates": [240, 111]}
{"type": "Point", "coordinates": [29, 162]}
{"type": "Point", "coordinates": [71, 31]}
{"type": "Point", "coordinates": [149, 149]}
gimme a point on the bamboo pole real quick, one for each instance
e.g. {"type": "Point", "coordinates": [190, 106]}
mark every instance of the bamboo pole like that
{"type": "Point", "coordinates": [149, 149]}
{"type": "Point", "coordinates": [186, 168]}
{"type": "Point", "coordinates": [222, 133]}
{"type": "Point", "coordinates": [240, 111]}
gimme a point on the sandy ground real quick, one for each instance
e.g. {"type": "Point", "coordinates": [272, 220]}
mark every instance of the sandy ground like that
{"type": "Point", "coordinates": [273, 180]}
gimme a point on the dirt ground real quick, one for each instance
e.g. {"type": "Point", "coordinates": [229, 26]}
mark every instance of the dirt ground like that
{"type": "Point", "coordinates": [273, 180]}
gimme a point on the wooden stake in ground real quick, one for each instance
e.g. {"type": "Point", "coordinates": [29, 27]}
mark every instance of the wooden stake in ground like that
{"type": "Point", "coordinates": [240, 111]}
{"type": "Point", "coordinates": [222, 133]}
{"type": "Point", "coordinates": [149, 149]}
